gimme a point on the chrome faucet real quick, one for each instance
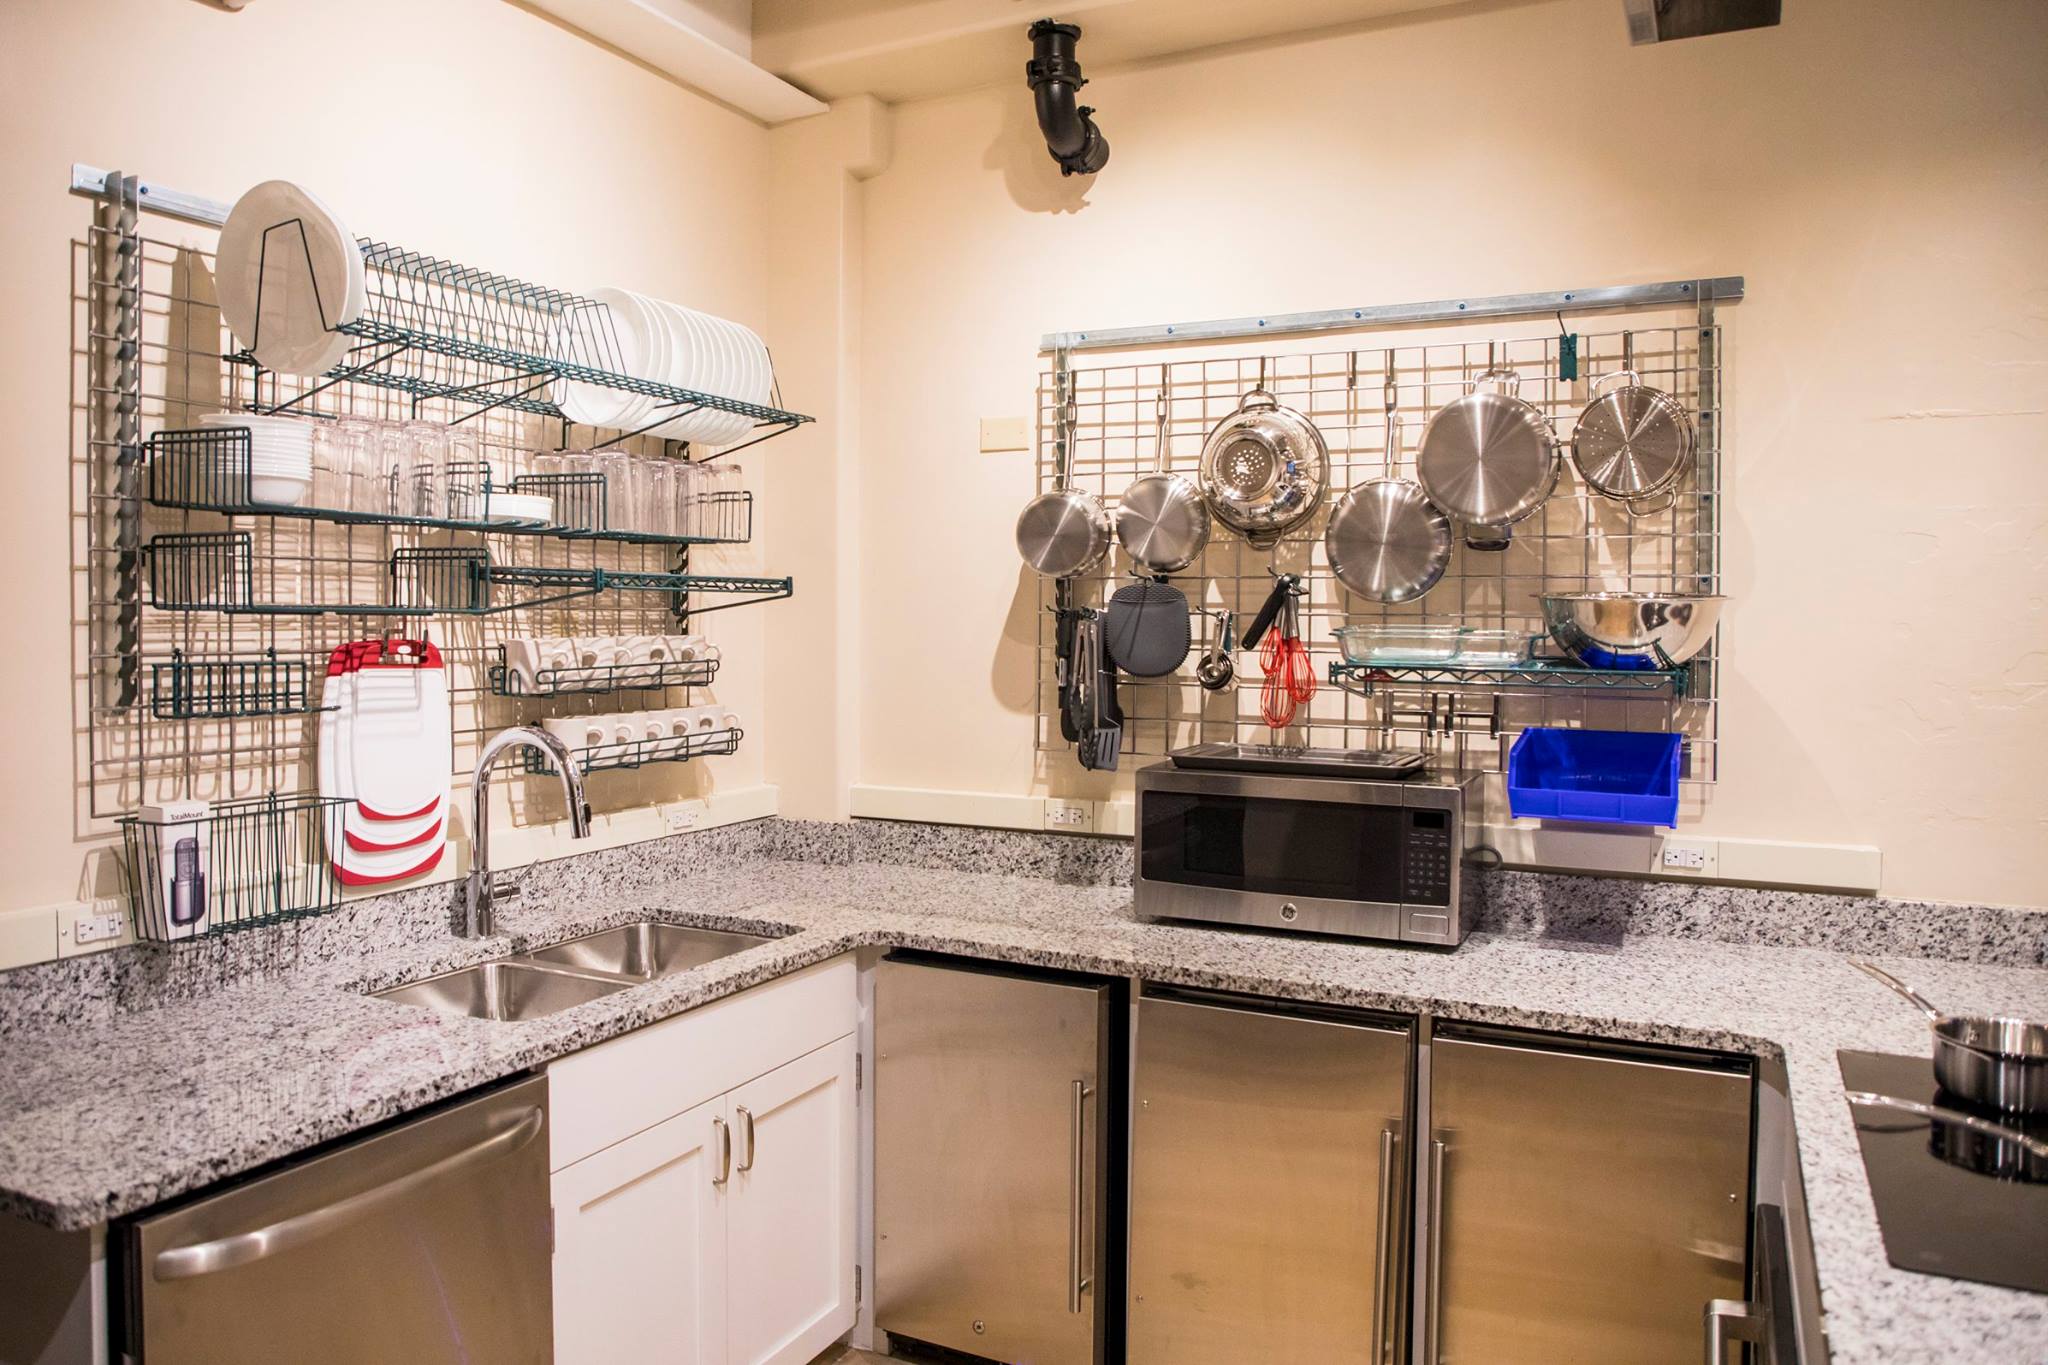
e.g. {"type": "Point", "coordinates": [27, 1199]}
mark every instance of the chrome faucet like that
{"type": "Point", "coordinates": [480, 893]}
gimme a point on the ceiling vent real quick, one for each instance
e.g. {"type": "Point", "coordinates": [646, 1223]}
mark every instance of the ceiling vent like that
{"type": "Point", "coordinates": [1660, 21]}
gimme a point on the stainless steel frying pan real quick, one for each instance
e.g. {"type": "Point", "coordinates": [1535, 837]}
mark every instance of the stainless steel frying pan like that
{"type": "Point", "coordinates": [1981, 1058]}
{"type": "Point", "coordinates": [1064, 532]}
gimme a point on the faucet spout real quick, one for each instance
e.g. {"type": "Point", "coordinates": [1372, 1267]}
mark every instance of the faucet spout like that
{"type": "Point", "coordinates": [480, 892]}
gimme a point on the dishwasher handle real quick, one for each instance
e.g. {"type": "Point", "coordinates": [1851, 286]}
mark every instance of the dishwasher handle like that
{"type": "Point", "coordinates": [226, 1253]}
{"type": "Point", "coordinates": [1079, 1281]}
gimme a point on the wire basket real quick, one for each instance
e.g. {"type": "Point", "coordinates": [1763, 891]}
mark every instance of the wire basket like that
{"type": "Point", "coordinates": [239, 865]}
{"type": "Point", "coordinates": [578, 679]}
{"type": "Point", "coordinates": [639, 752]}
{"type": "Point", "coordinates": [228, 689]}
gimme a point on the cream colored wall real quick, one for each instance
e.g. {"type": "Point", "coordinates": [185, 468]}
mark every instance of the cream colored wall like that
{"type": "Point", "coordinates": [466, 128]}
{"type": "Point", "coordinates": [1873, 169]}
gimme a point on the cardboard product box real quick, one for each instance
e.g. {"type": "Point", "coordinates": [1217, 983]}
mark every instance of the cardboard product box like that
{"type": "Point", "coordinates": [176, 848]}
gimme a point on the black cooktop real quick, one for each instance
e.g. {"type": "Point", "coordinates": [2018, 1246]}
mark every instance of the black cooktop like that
{"type": "Point", "coordinates": [1938, 1215]}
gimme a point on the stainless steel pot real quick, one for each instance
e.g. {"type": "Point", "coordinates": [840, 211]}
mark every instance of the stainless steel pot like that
{"type": "Point", "coordinates": [1488, 458]}
{"type": "Point", "coordinates": [1263, 469]}
{"type": "Point", "coordinates": [1982, 1059]}
{"type": "Point", "coordinates": [1064, 532]}
{"type": "Point", "coordinates": [1633, 442]}
{"type": "Point", "coordinates": [1161, 521]}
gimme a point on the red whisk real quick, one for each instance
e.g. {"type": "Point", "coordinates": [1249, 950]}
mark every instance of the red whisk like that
{"type": "Point", "coordinates": [1290, 676]}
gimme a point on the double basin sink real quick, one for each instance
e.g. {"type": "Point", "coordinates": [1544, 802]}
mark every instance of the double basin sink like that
{"type": "Point", "coordinates": [532, 985]}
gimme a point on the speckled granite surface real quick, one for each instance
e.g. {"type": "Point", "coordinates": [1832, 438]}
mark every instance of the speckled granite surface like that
{"type": "Point", "coordinates": [148, 1079]}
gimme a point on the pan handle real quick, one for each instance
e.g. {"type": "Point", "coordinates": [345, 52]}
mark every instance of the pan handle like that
{"type": "Point", "coordinates": [1256, 631]}
{"type": "Point", "coordinates": [1631, 376]}
{"type": "Point", "coordinates": [1934, 1111]}
{"type": "Point", "coordinates": [1898, 987]}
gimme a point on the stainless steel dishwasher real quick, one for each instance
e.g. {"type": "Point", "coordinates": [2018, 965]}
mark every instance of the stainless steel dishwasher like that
{"type": "Point", "coordinates": [1269, 1186]}
{"type": "Point", "coordinates": [999, 1123]}
{"type": "Point", "coordinates": [425, 1243]}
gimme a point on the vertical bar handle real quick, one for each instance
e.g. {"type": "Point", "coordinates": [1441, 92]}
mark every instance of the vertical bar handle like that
{"type": "Point", "coordinates": [746, 1117]}
{"type": "Point", "coordinates": [1382, 1252]}
{"type": "Point", "coordinates": [723, 1135]}
{"type": "Point", "coordinates": [1433, 1323]}
{"type": "Point", "coordinates": [1077, 1227]}
{"type": "Point", "coordinates": [1730, 1320]}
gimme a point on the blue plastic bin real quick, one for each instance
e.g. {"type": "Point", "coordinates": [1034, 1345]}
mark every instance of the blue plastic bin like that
{"type": "Point", "coordinates": [1607, 777]}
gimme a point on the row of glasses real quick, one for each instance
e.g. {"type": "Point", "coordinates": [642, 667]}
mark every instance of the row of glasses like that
{"type": "Point", "coordinates": [400, 469]}
{"type": "Point", "coordinates": [611, 490]}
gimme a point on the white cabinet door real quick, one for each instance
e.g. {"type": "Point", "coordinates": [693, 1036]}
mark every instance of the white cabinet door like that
{"type": "Point", "coordinates": [640, 1266]}
{"type": "Point", "coordinates": [790, 1233]}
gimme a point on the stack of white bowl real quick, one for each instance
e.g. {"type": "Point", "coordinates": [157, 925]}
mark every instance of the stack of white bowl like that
{"type": "Point", "coordinates": [666, 343]}
{"type": "Point", "coordinates": [665, 734]}
{"type": "Point", "coordinates": [280, 455]}
{"type": "Point", "coordinates": [586, 658]}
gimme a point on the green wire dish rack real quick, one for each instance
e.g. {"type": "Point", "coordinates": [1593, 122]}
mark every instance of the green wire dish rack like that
{"type": "Point", "coordinates": [215, 571]}
{"type": "Point", "coordinates": [241, 865]}
{"type": "Point", "coordinates": [1531, 672]}
{"type": "Point", "coordinates": [640, 752]}
{"type": "Point", "coordinates": [228, 689]}
{"type": "Point", "coordinates": [210, 469]}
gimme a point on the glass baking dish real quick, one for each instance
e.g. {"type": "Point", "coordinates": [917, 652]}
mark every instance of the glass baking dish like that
{"type": "Point", "coordinates": [1394, 643]}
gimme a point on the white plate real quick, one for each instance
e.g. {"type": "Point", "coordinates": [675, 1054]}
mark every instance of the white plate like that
{"type": "Point", "coordinates": [295, 335]}
{"type": "Point", "coordinates": [519, 509]}
{"type": "Point", "coordinates": [596, 405]}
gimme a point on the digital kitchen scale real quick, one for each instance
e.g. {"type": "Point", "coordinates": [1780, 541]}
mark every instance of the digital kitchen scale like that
{"type": "Point", "coordinates": [1282, 760]}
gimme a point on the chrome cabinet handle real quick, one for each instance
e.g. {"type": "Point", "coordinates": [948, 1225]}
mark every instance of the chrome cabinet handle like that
{"type": "Point", "coordinates": [1730, 1320]}
{"type": "Point", "coordinates": [1434, 1322]}
{"type": "Point", "coordinates": [747, 1131]}
{"type": "Point", "coordinates": [724, 1136]}
{"type": "Point", "coordinates": [1382, 1251]}
{"type": "Point", "coordinates": [204, 1258]}
{"type": "Point", "coordinates": [1078, 1280]}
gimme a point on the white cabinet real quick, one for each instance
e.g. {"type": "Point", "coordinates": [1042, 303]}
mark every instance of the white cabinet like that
{"type": "Point", "coordinates": [789, 1244]}
{"type": "Point", "coordinates": [640, 1265]}
{"type": "Point", "coordinates": [723, 1232]}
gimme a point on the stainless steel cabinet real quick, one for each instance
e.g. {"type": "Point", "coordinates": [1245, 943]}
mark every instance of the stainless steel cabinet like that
{"type": "Point", "coordinates": [1268, 1199]}
{"type": "Point", "coordinates": [1587, 1205]}
{"type": "Point", "coordinates": [998, 1097]}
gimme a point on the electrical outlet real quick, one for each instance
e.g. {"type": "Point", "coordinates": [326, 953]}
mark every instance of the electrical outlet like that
{"type": "Point", "coordinates": [99, 927]}
{"type": "Point", "coordinates": [676, 819]}
{"type": "Point", "coordinates": [1687, 855]}
{"type": "Point", "coordinates": [1069, 817]}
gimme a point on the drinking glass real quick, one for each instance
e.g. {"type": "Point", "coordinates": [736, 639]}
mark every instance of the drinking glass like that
{"type": "Point", "coordinates": [426, 469]}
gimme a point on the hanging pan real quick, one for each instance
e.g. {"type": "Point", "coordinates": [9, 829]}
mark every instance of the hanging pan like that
{"type": "Point", "coordinates": [1385, 541]}
{"type": "Point", "coordinates": [1064, 532]}
{"type": "Point", "coordinates": [1263, 468]}
{"type": "Point", "coordinates": [1633, 443]}
{"type": "Point", "coordinates": [1488, 458]}
{"type": "Point", "coordinates": [1161, 521]}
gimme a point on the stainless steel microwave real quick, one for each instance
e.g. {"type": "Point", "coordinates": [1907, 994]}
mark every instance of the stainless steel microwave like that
{"type": "Point", "coordinates": [1346, 856]}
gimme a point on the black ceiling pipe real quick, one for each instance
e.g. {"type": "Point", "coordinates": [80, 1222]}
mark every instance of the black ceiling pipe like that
{"type": "Point", "coordinates": [1070, 134]}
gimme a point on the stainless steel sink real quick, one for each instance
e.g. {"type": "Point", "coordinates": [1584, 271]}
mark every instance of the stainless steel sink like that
{"type": "Point", "coordinates": [646, 950]}
{"type": "Point", "coordinates": [507, 991]}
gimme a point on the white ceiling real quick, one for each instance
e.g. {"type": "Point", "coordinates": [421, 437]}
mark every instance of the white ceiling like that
{"type": "Point", "coordinates": [900, 50]}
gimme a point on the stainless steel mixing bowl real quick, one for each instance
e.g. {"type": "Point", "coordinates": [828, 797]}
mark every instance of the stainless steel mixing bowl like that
{"type": "Point", "coordinates": [1631, 629]}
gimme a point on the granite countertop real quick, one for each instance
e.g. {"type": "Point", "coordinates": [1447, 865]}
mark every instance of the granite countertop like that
{"type": "Point", "coordinates": [106, 1114]}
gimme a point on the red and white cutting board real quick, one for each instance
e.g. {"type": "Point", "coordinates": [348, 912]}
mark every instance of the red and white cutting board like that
{"type": "Point", "coordinates": [384, 744]}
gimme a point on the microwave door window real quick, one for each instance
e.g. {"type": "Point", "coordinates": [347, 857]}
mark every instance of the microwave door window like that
{"type": "Point", "coordinates": [1287, 848]}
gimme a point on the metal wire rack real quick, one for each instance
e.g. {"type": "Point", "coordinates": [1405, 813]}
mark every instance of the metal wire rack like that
{"type": "Point", "coordinates": [173, 592]}
{"type": "Point", "coordinates": [595, 678]}
{"type": "Point", "coordinates": [638, 753]}
{"type": "Point", "coordinates": [242, 864]}
{"type": "Point", "coordinates": [1578, 540]}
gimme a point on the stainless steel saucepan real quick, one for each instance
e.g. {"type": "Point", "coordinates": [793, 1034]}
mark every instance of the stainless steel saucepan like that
{"type": "Point", "coordinates": [1161, 520]}
{"type": "Point", "coordinates": [1633, 443]}
{"type": "Point", "coordinates": [1983, 1059]}
{"type": "Point", "coordinates": [1064, 532]}
{"type": "Point", "coordinates": [1489, 458]}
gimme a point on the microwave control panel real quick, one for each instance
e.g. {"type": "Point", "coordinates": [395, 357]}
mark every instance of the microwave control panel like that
{"type": "Point", "coordinates": [1426, 858]}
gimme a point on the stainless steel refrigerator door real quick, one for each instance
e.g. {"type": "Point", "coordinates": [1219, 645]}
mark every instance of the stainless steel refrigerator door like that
{"type": "Point", "coordinates": [1267, 1197]}
{"type": "Point", "coordinates": [1591, 1205]}
{"type": "Point", "coordinates": [987, 1163]}
{"type": "Point", "coordinates": [427, 1243]}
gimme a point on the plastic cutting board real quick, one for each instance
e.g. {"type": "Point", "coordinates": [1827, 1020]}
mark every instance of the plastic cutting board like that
{"type": "Point", "coordinates": [386, 700]}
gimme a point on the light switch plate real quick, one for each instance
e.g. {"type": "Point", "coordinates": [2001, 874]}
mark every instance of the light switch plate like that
{"type": "Point", "coordinates": [1005, 433]}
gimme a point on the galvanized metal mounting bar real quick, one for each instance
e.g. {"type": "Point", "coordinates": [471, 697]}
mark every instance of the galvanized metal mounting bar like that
{"type": "Point", "coordinates": [91, 181]}
{"type": "Point", "coordinates": [1671, 292]}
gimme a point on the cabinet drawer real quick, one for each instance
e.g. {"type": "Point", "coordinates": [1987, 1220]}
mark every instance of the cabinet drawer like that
{"type": "Point", "coordinates": [609, 1092]}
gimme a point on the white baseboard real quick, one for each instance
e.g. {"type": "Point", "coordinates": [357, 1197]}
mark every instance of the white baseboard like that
{"type": "Point", "coordinates": [992, 810]}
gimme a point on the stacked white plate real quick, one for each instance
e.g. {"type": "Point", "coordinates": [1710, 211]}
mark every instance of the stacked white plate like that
{"type": "Point", "coordinates": [667, 343]}
{"type": "Point", "coordinates": [384, 743]}
{"type": "Point", "coordinates": [519, 509]}
{"type": "Point", "coordinates": [280, 455]}
{"type": "Point", "coordinates": [285, 254]}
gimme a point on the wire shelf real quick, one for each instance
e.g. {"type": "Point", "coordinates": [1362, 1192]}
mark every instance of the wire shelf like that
{"type": "Point", "coordinates": [576, 681]}
{"type": "Point", "coordinates": [640, 752]}
{"type": "Point", "coordinates": [1464, 715]}
{"type": "Point", "coordinates": [242, 864]}
{"type": "Point", "coordinates": [228, 689]}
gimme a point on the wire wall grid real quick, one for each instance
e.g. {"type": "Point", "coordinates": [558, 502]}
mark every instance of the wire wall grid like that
{"type": "Point", "coordinates": [1576, 541]}
{"type": "Point", "coordinates": [204, 619]}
